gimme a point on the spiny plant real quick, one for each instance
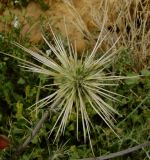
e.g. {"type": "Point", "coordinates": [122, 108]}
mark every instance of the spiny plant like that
{"type": "Point", "coordinates": [79, 83]}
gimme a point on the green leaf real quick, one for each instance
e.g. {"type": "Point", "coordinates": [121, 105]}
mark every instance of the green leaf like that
{"type": "Point", "coordinates": [19, 107]}
{"type": "Point", "coordinates": [145, 72]}
{"type": "Point", "coordinates": [27, 91]}
{"type": "Point", "coordinates": [71, 127]}
{"type": "Point", "coordinates": [21, 81]}
{"type": "Point", "coordinates": [35, 140]}
{"type": "Point", "coordinates": [134, 80]}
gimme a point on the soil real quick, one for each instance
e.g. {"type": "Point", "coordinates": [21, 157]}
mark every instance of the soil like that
{"type": "Point", "coordinates": [75, 13]}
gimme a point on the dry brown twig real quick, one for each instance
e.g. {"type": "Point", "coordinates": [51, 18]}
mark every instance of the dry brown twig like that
{"type": "Point", "coordinates": [120, 153]}
{"type": "Point", "coordinates": [36, 129]}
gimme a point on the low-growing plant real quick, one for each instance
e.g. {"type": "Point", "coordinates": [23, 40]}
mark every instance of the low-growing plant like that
{"type": "Point", "coordinates": [80, 84]}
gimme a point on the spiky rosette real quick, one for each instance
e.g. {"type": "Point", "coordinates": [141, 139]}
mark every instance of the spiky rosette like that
{"type": "Point", "coordinates": [80, 83]}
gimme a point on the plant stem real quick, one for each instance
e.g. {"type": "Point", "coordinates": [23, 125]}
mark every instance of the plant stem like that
{"type": "Point", "coordinates": [23, 146]}
{"type": "Point", "coordinates": [120, 153]}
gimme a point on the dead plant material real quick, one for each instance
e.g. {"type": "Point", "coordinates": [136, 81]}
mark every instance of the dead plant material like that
{"type": "Point", "coordinates": [129, 20]}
